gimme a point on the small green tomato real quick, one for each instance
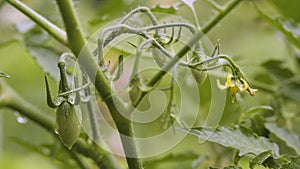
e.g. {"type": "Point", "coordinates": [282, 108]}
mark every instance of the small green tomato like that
{"type": "Point", "coordinates": [200, 76]}
{"type": "Point", "coordinates": [68, 113]}
{"type": "Point", "coordinates": [68, 124]}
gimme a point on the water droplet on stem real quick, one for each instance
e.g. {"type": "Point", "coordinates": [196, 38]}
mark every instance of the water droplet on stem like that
{"type": "Point", "coordinates": [20, 119]}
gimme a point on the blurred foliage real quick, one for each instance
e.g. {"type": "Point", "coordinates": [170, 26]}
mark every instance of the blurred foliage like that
{"type": "Point", "coordinates": [266, 46]}
{"type": "Point", "coordinates": [288, 10]}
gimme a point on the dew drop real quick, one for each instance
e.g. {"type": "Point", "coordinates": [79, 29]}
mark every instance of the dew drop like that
{"type": "Point", "coordinates": [20, 119]}
{"type": "Point", "coordinates": [56, 131]}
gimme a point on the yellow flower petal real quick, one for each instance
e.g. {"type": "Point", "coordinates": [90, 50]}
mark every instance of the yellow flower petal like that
{"type": "Point", "coordinates": [228, 81]}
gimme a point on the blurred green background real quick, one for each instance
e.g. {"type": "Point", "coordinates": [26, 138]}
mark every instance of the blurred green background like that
{"type": "Point", "coordinates": [244, 35]}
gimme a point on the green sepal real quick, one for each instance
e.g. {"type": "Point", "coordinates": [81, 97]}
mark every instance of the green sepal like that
{"type": "Point", "coordinates": [4, 75]}
{"type": "Point", "coordinates": [50, 102]}
{"type": "Point", "coordinates": [120, 68]}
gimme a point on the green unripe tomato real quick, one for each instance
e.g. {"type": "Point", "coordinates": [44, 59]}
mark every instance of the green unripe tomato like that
{"type": "Point", "coordinates": [200, 76]}
{"type": "Point", "coordinates": [68, 124]}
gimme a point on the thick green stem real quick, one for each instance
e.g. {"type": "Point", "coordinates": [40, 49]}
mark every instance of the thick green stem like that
{"type": "Point", "coordinates": [102, 158]}
{"type": "Point", "coordinates": [9, 98]}
{"type": "Point", "coordinates": [52, 29]}
{"type": "Point", "coordinates": [77, 43]}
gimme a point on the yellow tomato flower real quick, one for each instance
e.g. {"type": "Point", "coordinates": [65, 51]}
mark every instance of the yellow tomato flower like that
{"type": "Point", "coordinates": [236, 84]}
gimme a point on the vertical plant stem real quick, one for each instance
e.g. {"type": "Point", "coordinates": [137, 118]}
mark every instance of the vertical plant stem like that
{"type": "Point", "coordinates": [77, 43]}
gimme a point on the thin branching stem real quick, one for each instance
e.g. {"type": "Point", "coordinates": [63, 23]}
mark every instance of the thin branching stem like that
{"type": "Point", "coordinates": [51, 28]}
{"type": "Point", "coordinates": [214, 67]}
{"type": "Point", "coordinates": [215, 5]}
{"type": "Point", "coordinates": [192, 42]}
{"type": "Point", "coordinates": [143, 10]}
{"type": "Point", "coordinates": [233, 66]}
{"type": "Point", "coordinates": [231, 5]}
{"type": "Point", "coordinates": [137, 56]}
{"type": "Point", "coordinates": [190, 27]}
{"type": "Point", "coordinates": [127, 29]}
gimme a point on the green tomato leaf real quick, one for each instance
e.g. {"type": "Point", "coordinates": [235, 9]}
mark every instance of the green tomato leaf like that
{"type": "Point", "coordinates": [291, 140]}
{"type": "Point", "coordinates": [291, 91]}
{"type": "Point", "coordinates": [289, 29]}
{"type": "Point", "coordinates": [46, 58]}
{"type": "Point", "coordinates": [257, 125]}
{"type": "Point", "coordinates": [293, 164]}
{"type": "Point", "coordinates": [68, 119]}
{"type": "Point", "coordinates": [277, 70]}
{"type": "Point", "coordinates": [260, 159]}
{"type": "Point", "coordinates": [288, 87]}
{"type": "Point", "coordinates": [35, 41]}
{"type": "Point", "coordinates": [239, 138]}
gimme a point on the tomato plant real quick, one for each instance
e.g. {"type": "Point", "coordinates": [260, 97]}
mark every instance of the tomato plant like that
{"type": "Point", "coordinates": [148, 89]}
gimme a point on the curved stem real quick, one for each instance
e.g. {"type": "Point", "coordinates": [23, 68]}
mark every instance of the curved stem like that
{"type": "Point", "coordinates": [234, 67]}
{"type": "Point", "coordinates": [142, 9]}
{"type": "Point", "coordinates": [190, 27]}
{"type": "Point", "coordinates": [123, 28]}
{"type": "Point", "coordinates": [214, 67]}
{"type": "Point", "coordinates": [174, 60]}
{"type": "Point", "coordinates": [52, 29]}
{"type": "Point", "coordinates": [137, 56]}
{"type": "Point", "coordinates": [192, 42]}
